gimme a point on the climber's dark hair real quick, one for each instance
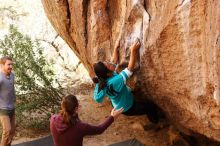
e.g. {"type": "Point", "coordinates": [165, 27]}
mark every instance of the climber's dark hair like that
{"type": "Point", "coordinates": [101, 72]}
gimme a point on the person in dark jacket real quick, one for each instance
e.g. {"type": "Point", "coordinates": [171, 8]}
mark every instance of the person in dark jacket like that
{"type": "Point", "coordinates": [68, 130]}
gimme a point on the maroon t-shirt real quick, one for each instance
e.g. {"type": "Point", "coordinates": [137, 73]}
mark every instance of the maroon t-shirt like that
{"type": "Point", "coordinates": [64, 135]}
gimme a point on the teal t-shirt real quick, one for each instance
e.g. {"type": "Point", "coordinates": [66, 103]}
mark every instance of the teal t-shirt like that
{"type": "Point", "coordinates": [117, 91]}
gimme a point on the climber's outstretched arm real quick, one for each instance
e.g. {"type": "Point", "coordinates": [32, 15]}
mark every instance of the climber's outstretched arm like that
{"type": "Point", "coordinates": [115, 52]}
{"type": "Point", "coordinates": [134, 51]}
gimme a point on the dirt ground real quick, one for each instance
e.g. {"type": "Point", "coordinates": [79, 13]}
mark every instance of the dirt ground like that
{"type": "Point", "coordinates": [123, 128]}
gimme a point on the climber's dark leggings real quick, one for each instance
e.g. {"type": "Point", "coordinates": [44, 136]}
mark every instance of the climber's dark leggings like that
{"type": "Point", "coordinates": [141, 108]}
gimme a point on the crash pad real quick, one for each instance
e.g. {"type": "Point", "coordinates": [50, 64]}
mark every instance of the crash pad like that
{"type": "Point", "coordinates": [130, 142]}
{"type": "Point", "coordinates": [45, 141]}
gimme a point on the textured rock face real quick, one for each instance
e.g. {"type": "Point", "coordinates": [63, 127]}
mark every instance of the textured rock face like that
{"type": "Point", "coordinates": [179, 57]}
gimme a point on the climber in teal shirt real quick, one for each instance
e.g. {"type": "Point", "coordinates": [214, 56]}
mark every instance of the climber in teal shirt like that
{"type": "Point", "coordinates": [110, 83]}
{"type": "Point", "coordinates": [116, 90]}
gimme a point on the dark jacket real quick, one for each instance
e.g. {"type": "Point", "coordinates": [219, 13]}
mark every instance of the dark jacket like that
{"type": "Point", "coordinates": [64, 135]}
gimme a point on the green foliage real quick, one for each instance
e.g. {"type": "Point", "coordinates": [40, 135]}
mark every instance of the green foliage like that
{"type": "Point", "coordinates": [34, 77]}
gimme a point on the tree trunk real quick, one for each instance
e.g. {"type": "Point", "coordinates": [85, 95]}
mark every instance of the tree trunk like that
{"type": "Point", "coordinates": [179, 56]}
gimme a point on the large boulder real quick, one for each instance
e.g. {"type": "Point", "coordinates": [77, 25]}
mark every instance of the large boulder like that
{"type": "Point", "coordinates": [179, 57]}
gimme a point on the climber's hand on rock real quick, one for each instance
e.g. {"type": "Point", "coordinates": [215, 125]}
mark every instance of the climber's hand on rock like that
{"type": "Point", "coordinates": [116, 52]}
{"type": "Point", "coordinates": [135, 46]}
{"type": "Point", "coordinates": [117, 43]}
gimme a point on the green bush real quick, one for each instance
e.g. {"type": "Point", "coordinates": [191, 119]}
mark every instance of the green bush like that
{"type": "Point", "coordinates": [34, 77]}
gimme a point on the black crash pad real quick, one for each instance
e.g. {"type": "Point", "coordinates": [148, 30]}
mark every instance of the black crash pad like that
{"type": "Point", "coordinates": [45, 141]}
{"type": "Point", "coordinates": [130, 142]}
